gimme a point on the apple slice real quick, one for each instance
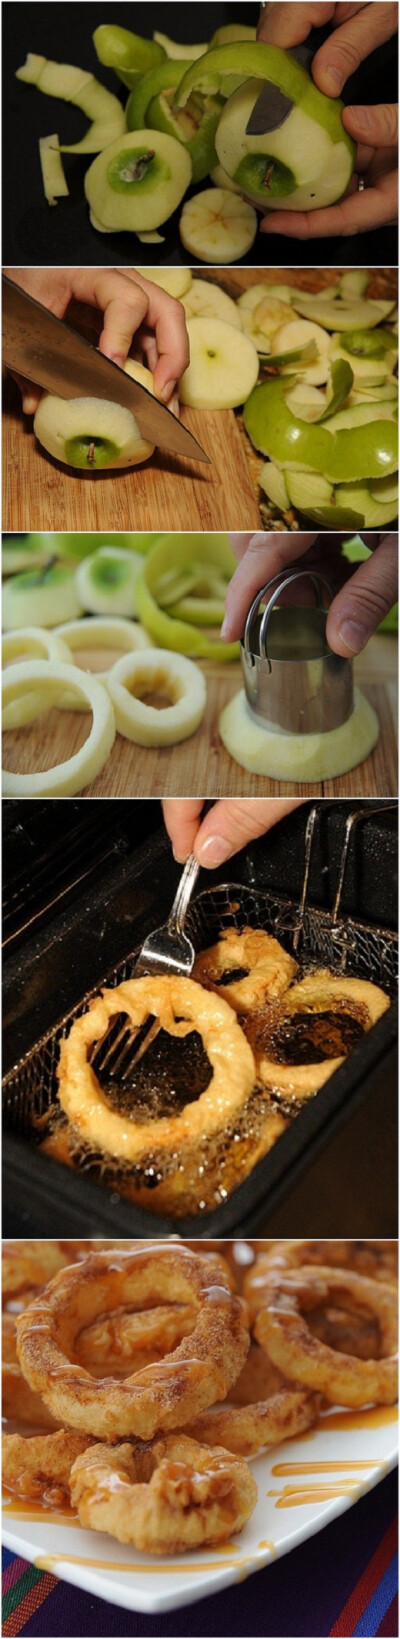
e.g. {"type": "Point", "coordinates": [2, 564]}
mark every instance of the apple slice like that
{"type": "Point", "coordinates": [353, 284]}
{"type": "Point", "coordinates": [356, 508]}
{"type": "Point", "coordinates": [298, 333]}
{"type": "Point", "coordinates": [337, 315]}
{"type": "Point", "coordinates": [273, 482]}
{"type": "Point", "coordinates": [216, 226]}
{"type": "Point", "coordinates": [306, 403]}
{"type": "Point", "coordinates": [262, 314]}
{"type": "Point", "coordinates": [298, 757]}
{"type": "Point", "coordinates": [138, 182]}
{"type": "Point", "coordinates": [175, 280]}
{"type": "Point", "coordinates": [307, 489]}
{"type": "Point", "coordinates": [106, 581]}
{"type": "Point", "coordinates": [223, 366]}
{"type": "Point", "coordinates": [71, 84]}
{"type": "Point", "coordinates": [370, 369]}
{"type": "Point", "coordinates": [41, 597]}
{"type": "Point", "coordinates": [205, 300]}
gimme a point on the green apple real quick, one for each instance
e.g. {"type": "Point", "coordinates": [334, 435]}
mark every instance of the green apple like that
{"type": "Point", "coordinates": [127, 53]}
{"type": "Point", "coordinates": [106, 582]}
{"type": "Point", "coordinates": [71, 84]}
{"type": "Point", "coordinates": [28, 551]}
{"type": "Point", "coordinates": [205, 300]}
{"type": "Point", "coordinates": [223, 366]}
{"type": "Point", "coordinates": [217, 226]}
{"type": "Point", "coordinates": [41, 597]}
{"type": "Point", "coordinates": [304, 163]}
{"type": "Point", "coordinates": [91, 433]}
{"type": "Point", "coordinates": [338, 315]}
{"type": "Point", "coordinates": [352, 453]}
{"type": "Point", "coordinates": [138, 182]}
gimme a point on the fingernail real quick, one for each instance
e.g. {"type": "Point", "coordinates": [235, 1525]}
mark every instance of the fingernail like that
{"type": "Point", "coordinates": [213, 851]}
{"type": "Point", "coordinates": [180, 856]}
{"type": "Point", "coordinates": [226, 626]}
{"type": "Point", "coordinates": [334, 75]}
{"type": "Point", "coordinates": [363, 116]}
{"type": "Point", "coordinates": [168, 390]}
{"type": "Point", "coordinates": [353, 635]}
{"type": "Point", "coordinates": [174, 406]}
{"type": "Point", "coordinates": [29, 404]}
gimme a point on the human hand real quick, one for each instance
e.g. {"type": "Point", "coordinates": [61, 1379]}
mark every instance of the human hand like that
{"type": "Point", "coordinates": [363, 596]}
{"type": "Point", "coordinates": [226, 828]}
{"type": "Point", "coordinates": [131, 307]}
{"type": "Point", "coordinates": [356, 31]}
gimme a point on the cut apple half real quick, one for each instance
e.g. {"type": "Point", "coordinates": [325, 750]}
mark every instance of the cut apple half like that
{"type": "Point", "coordinates": [223, 366]}
{"type": "Point", "coordinates": [138, 182]}
{"type": "Point", "coordinates": [217, 226]}
{"type": "Point", "coordinates": [71, 84]}
{"type": "Point", "coordinates": [205, 300]}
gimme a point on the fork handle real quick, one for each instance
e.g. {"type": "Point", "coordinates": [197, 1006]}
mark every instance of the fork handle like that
{"type": "Point", "coordinates": [183, 893]}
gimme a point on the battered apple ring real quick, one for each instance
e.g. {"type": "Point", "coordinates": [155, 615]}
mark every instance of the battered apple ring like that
{"type": "Point", "coordinates": [160, 1397]}
{"type": "Point", "coordinates": [181, 1006]}
{"type": "Point", "coordinates": [319, 992]}
{"type": "Point", "coordinates": [377, 1259]}
{"type": "Point", "coordinates": [25, 1265]}
{"type": "Point", "coordinates": [19, 1402]}
{"type": "Point", "coordinates": [282, 1330]}
{"type": "Point", "coordinates": [164, 1498]}
{"type": "Point", "coordinates": [245, 968]}
{"type": "Point", "coordinates": [38, 1467]}
{"type": "Point", "coordinates": [246, 1429]}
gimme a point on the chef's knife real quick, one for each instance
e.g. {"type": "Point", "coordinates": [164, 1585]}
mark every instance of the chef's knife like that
{"type": "Point", "coordinates": [48, 352]}
{"type": "Point", "coordinates": [273, 106]}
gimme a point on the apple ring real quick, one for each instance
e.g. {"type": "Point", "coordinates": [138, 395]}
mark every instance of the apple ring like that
{"type": "Point", "coordinates": [158, 672]}
{"type": "Point", "coordinates": [173, 1495]}
{"type": "Point", "coordinates": [38, 1467]}
{"type": "Point", "coordinates": [181, 1006]}
{"type": "Point", "coordinates": [376, 1259]}
{"type": "Point", "coordinates": [68, 778]}
{"type": "Point", "coordinates": [320, 993]}
{"type": "Point", "coordinates": [245, 968]}
{"type": "Point", "coordinates": [281, 1328]}
{"type": "Point", "coordinates": [98, 631]}
{"type": "Point", "coordinates": [119, 1338]}
{"type": "Point", "coordinates": [40, 644]}
{"type": "Point", "coordinates": [290, 1411]}
{"type": "Point", "coordinates": [29, 1264]}
{"type": "Point", "coordinates": [160, 1397]}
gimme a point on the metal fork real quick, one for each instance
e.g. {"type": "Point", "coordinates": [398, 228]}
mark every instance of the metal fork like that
{"type": "Point", "coordinates": [167, 950]}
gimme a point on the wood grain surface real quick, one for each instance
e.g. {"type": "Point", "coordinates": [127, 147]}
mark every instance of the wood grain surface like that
{"type": "Point", "coordinates": [40, 493]}
{"type": "Point", "coordinates": [201, 766]}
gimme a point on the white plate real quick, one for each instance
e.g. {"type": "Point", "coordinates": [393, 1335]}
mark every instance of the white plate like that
{"type": "Point", "coordinates": [302, 1485]}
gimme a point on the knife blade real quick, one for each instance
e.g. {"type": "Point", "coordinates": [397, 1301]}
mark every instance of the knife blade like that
{"type": "Point", "coordinates": [46, 351]}
{"type": "Point", "coordinates": [273, 106]}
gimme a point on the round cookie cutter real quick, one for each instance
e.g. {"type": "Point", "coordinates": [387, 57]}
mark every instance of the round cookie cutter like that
{"type": "Point", "coordinates": [293, 681]}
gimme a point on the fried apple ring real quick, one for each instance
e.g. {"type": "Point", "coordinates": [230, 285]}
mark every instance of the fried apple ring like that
{"type": "Point", "coordinates": [246, 1429]}
{"type": "Point", "coordinates": [281, 1328]}
{"type": "Point", "coordinates": [319, 993]}
{"type": "Point", "coordinates": [245, 968]}
{"type": "Point", "coordinates": [378, 1259]}
{"type": "Point", "coordinates": [116, 1339]}
{"type": "Point", "coordinates": [38, 1468]}
{"type": "Point", "coordinates": [27, 1264]}
{"type": "Point", "coordinates": [165, 1497]}
{"type": "Point", "coordinates": [160, 1397]}
{"type": "Point", "coordinates": [181, 1006]}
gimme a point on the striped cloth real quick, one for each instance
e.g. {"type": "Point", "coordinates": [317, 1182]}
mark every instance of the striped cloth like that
{"type": "Point", "coordinates": [342, 1582]}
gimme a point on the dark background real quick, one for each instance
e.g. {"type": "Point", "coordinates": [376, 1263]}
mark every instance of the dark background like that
{"type": "Point", "coordinates": [34, 234]}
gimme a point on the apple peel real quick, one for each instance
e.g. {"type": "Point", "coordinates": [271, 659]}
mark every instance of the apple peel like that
{"type": "Point", "coordinates": [70, 84]}
{"type": "Point", "coordinates": [55, 183]}
{"type": "Point", "coordinates": [295, 758]}
{"type": "Point", "coordinates": [66, 779]}
{"type": "Point", "coordinates": [156, 672]}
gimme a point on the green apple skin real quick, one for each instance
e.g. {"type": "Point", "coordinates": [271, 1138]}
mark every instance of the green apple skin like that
{"type": "Point", "coordinates": [165, 77]}
{"type": "Point", "coordinates": [312, 142]}
{"type": "Point", "coordinates": [150, 105]}
{"type": "Point", "coordinates": [345, 456]}
{"type": "Point", "coordinates": [127, 53]}
{"type": "Point", "coordinates": [79, 546]}
{"type": "Point", "coordinates": [105, 453]}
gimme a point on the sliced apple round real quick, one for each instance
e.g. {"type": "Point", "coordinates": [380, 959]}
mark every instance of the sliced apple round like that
{"type": "Point", "coordinates": [217, 226]}
{"type": "Point", "coordinates": [223, 366]}
{"type": "Point", "coordinates": [175, 280]}
{"type": "Point", "coordinates": [41, 597]}
{"type": "Point", "coordinates": [138, 182]}
{"type": "Point", "coordinates": [338, 315]}
{"type": "Point", "coordinates": [205, 300]}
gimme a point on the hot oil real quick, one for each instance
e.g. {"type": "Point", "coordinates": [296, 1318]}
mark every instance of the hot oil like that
{"type": "Point", "coordinates": [171, 1073]}
{"type": "Point", "coordinates": [309, 1038]}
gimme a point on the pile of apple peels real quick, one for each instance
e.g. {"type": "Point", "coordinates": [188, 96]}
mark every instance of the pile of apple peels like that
{"type": "Point", "coordinates": [186, 119]}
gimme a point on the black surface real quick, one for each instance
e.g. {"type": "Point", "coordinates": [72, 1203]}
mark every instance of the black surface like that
{"type": "Point", "coordinates": [334, 1172]}
{"type": "Point", "coordinates": [34, 234]}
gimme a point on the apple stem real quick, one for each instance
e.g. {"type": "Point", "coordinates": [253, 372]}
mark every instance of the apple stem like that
{"type": "Point", "coordinates": [268, 174]}
{"type": "Point", "coordinates": [50, 562]}
{"type": "Point", "coordinates": [90, 453]}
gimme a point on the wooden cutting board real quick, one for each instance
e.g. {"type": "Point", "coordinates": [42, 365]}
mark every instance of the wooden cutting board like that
{"type": "Point", "coordinates": [201, 766]}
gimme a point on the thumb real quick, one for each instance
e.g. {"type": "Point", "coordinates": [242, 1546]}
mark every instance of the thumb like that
{"type": "Point", "coordinates": [364, 601]}
{"type": "Point", "coordinates": [375, 126]}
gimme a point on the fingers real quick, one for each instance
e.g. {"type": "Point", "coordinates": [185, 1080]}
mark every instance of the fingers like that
{"type": "Point", "coordinates": [285, 26]}
{"type": "Point", "coordinates": [264, 557]}
{"type": "Point", "coordinates": [182, 820]}
{"type": "Point", "coordinates": [229, 825]}
{"type": "Point", "coordinates": [166, 317]}
{"type": "Point", "coordinates": [378, 127]}
{"type": "Point", "coordinates": [31, 395]}
{"type": "Point", "coordinates": [368, 27]}
{"type": "Point", "coordinates": [358, 213]}
{"type": "Point", "coordinates": [364, 600]}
